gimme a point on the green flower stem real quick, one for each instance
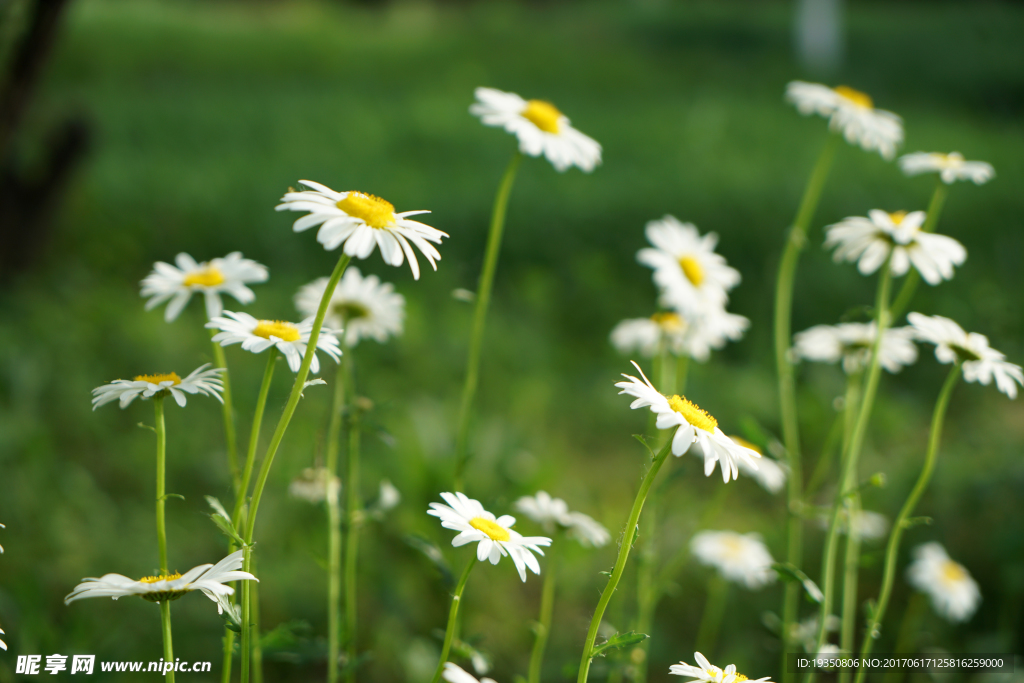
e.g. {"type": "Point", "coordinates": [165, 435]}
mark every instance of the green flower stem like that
{"type": "Point", "coordinates": [230, 439]}
{"type": "Point", "coordinates": [682, 373]}
{"type": "Point", "coordinates": [229, 652]}
{"type": "Point", "coordinates": [161, 483]}
{"type": "Point", "coordinates": [714, 610]}
{"type": "Point", "coordinates": [851, 454]}
{"type": "Point", "coordinates": [620, 563]}
{"type": "Point", "coordinates": [354, 517]}
{"type": "Point", "coordinates": [851, 556]}
{"type": "Point", "coordinates": [483, 299]}
{"type": "Point", "coordinates": [547, 605]}
{"type": "Point", "coordinates": [254, 438]}
{"type": "Point", "coordinates": [908, 630]}
{"type": "Point", "coordinates": [334, 526]}
{"type": "Point", "coordinates": [453, 618]}
{"type": "Point", "coordinates": [275, 442]}
{"type": "Point", "coordinates": [257, 643]}
{"type": "Point", "coordinates": [892, 548]}
{"type": "Point", "coordinates": [647, 592]}
{"type": "Point", "coordinates": [930, 221]}
{"type": "Point", "coordinates": [787, 382]}
{"type": "Point", "coordinates": [165, 627]}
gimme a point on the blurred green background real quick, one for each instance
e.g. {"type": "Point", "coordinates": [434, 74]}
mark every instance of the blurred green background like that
{"type": "Point", "coordinates": [204, 113]}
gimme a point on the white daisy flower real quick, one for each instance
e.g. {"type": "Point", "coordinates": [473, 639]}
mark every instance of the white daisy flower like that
{"type": "Point", "coordinates": [388, 497]}
{"type": "Point", "coordinates": [693, 424]}
{"type": "Point", "coordinates": [981, 363]}
{"type": "Point", "coordinates": [208, 578]}
{"type": "Point", "coordinates": [311, 485]}
{"type": "Point", "coordinates": [867, 525]}
{"type": "Point", "coordinates": [871, 240]}
{"type": "Point", "coordinates": [852, 343]}
{"type": "Point", "coordinates": [453, 673]}
{"type": "Point", "coordinates": [693, 278]}
{"type": "Point", "coordinates": [743, 559]}
{"type": "Point", "coordinates": [769, 474]}
{"type": "Point", "coordinates": [706, 672]}
{"type": "Point", "coordinates": [364, 306]}
{"type": "Point", "coordinates": [540, 127]}
{"type": "Point", "coordinates": [362, 222]}
{"type": "Point", "coordinates": [228, 275]}
{"type": "Point", "coordinates": [494, 536]}
{"type": "Point", "coordinates": [693, 338]}
{"type": "Point", "coordinates": [549, 512]}
{"type": "Point", "coordinates": [953, 592]}
{"type": "Point", "coordinates": [203, 380]}
{"type": "Point", "coordinates": [851, 113]}
{"type": "Point", "coordinates": [950, 167]}
{"type": "Point", "coordinates": [289, 338]}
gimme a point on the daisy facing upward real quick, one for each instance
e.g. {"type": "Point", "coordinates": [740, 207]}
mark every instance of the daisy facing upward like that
{"type": "Point", "coordinates": [228, 275]}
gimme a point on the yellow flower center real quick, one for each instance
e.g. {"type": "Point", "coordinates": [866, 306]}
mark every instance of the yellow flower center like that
{"type": "Point", "coordinates": [492, 529]}
{"type": "Point", "coordinates": [897, 217]}
{"type": "Point", "coordinates": [746, 444]}
{"type": "Point", "coordinates": [542, 114]}
{"type": "Point", "coordinates": [374, 211]}
{"type": "Point", "coordinates": [277, 328]}
{"type": "Point", "coordinates": [692, 270]}
{"type": "Point", "coordinates": [157, 579]}
{"type": "Point", "coordinates": [953, 572]}
{"type": "Point", "coordinates": [156, 379]}
{"type": "Point", "coordinates": [855, 96]}
{"type": "Point", "coordinates": [162, 596]}
{"type": "Point", "coordinates": [695, 415]}
{"type": "Point", "coordinates": [670, 322]}
{"type": "Point", "coordinates": [207, 277]}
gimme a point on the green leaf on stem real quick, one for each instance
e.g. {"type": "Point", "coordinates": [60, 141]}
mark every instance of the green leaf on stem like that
{"type": "Point", "coordinates": [790, 572]}
{"type": "Point", "coordinates": [226, 528]}
{"type": "Point", "coordinates": [617, 641]}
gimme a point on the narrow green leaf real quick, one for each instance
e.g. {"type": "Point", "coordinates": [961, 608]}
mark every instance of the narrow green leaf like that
{"type": "Point", "coordinates": [790, 572]}
{"type": "Point", "coordinates": [617, 641]}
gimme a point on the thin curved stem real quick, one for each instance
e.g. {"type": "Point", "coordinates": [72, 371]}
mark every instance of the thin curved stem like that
{"type": "Point", "coordinates": [483, 300]}
{"type": "Point", "coordinates": [453, 618]}
{"type": "Point", "coordinates": [275, 442]}
{"type": "Point", "coordinates": [547, 606]}
{"type": "Point", "coordinates": [254, 437]}
{"type": "Point", "coordinates": [795, 242]}
{"type": "Point", "coordinates": [620, 563]}
{"type": "Point", "coordinates": [228, 412]}
{"type": "Point", "coordinates": [334, 527]}
{"type": "Point", "coordinates": [913, 277]}
{"type": "Point", "coordinates": [893, 546]}
{"type": "Point", "coordinates": [161, 482]}
{"type": "Point", "coordinates": [165, 628]}
{"type": "Point", "coordinates": [354, 516]}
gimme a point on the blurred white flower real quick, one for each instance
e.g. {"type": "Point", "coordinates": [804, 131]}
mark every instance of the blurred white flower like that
{"type": "Point", "coordinates": [540, 128]}
{"type": "Point", "coordinates": [228, 275]}
{"type": "Point", "coordinates": [388, 496]}
{"type": "Point", "coordinates": [549, 512]}
{"type": "Point", "coordinates": [950, 167]}
{"type": "Point", "coordinates": [290, 339]}
{"type": "Point", "coordinates": [852, 343]}
{"type": "Point", "coordinates": [953, 592]}
{"type": "Point", "coordinates": [363, 222]}
{"type": "Point", "coordinates": [203, 380]}
{"type": "Point", "coordinates": [851, 113]}
{"type": "Point", "coordinates": [769, 474]}
{"type": "Point", "coordinates": [706, 672]}
{"type": "Point", "coordinates": [311, 485]}
{"type": "Point", "coordinates": [740, 558]}
{"type": "Point", "coordinates": [693, 278]}
{"type": "Point", "coordinates": [453, 673]}
{"type": "Point", "coordinates": [3, 645]}
{"type": "Point", "coordinates": [868, 525]}
{"type": "Point", "coordinates": [208, 578]}
{"type": "Point", "coordinates": [494, 536]}
{"type": "Point", "coordinates": [981, 363]}
{"type": "Point", "coordinates": [806, 632]}
{"type": "Point", "coordinates": [693, 425]}
{"type": "Point", "coordinates": [364, 306]}
{"type": "Point", "coordinates": [682, 337]}
{"type": "Point", "coordinates": [871, 240]}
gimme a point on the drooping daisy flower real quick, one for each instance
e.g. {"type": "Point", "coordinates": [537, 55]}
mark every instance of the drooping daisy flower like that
{"type": "Point", "coordinates": [540, 127]}
{"type": "Point", "coordinates": [311, 485]}
{"type": "Point", "coordinates": [453, 673]}
{"type": "Point", "coordinates": [549, 512]}
{"type": "Point", "coordinates": [852, 343]}
{"type": "Point", "coordinates": [693, 425]}
{"type": "Point", "coordinates": [981, 363]}
{"type": "Point", "coordinates": [363, 222]}
{"type": "Point", "coordinates": [681, 336]}
{"type": "Point", "coordinates": [364, 306]}
{"type": "Point", "coordinates": [953, 592]}
{"type": "Point", "coordinates": [208, 578]}
{"type": "Point", "coordinates": [494, 536]}
{"type": "Point", "coordinates": [289, 338]}
{"type": "Point", "coordinates": [743, 559]}
{"type": "Point", "coordinates": [950, 167]}
{"type": "Point", "coordinates": [228, 275]}
{"type": "Point", "coordinates": [871, 240]}
{"type": "Point", "coordinates": [693, 278]}
{"type": "Point", "coordinates": [770, 475]}
{"type": "Point", "coordinates": [706, 672]}
{"type": "Point", "coordinates": [203, 380]}
{"type": "Point", "coordinates": [851, 113]}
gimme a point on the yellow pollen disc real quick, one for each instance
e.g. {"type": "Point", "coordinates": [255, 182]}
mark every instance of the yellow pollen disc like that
{"type": "Point", "coordinates": [692, 270]}
{"type": "Point", "coordinates": [155, 579]}
{"type": "Point", "coordinates": [374, 211]}
{"type": "Point", "coordinates": [855, 96]}
{"type": "Point", "coordinates": [277, 328]}
{"type": "Point", "coordinates": [207, 277]}
{"type": "Point", "coordinates": [696, 416]}
{"type": "Point", "coordinates": [670, 322]}
{"type": "Point", "coordinates": [953, 572]}
{"type": "Point", "coordinates": [897, 217]}
{"type": "Point", "coordinates": [746, 444]}
{"type": "Point", "coordinates": [542, 114]}
{"type": "Point", "coordinates": [156, 379]}
{"type": "Point", "coordinates": [492, 529]}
